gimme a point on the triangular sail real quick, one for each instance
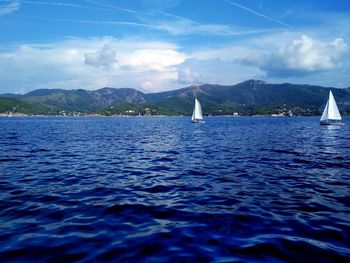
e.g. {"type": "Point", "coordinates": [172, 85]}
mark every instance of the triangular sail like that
{"type": "Point", "coordinates": [331, 111]}
{"type": "Point", "coordinates": [197, 112]}
{"type": "Point", "coordinates": [325, 113]}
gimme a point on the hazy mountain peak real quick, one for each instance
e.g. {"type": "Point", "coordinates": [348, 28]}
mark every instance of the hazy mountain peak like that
{"type": "Point", "coordinates": [192, 90]}
{"type": "Point", "coordinates": [106, 90]}
{"type": "Point", "coordinates": [253, 82]}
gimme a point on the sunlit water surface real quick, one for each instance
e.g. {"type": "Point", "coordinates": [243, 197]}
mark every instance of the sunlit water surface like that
{"type": "Point", "coordinates": [162, 189]}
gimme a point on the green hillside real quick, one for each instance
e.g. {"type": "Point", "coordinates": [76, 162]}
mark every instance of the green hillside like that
{"type": "Point", "coordinates": [10, 105]}
{"type": "Point", "coordinates": [247, 98]}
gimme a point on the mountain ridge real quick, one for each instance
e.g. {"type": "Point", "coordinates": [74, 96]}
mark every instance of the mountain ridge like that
{"type": "Point", "coordinates": [247, 97]}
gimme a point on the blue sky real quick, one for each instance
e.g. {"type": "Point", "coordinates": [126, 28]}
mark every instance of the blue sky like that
{"type": "Point", "coordinates": [156, 45]}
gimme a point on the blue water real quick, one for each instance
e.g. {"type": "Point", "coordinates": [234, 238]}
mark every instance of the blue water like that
{"type": "Point", "coordinates": [166, 190]}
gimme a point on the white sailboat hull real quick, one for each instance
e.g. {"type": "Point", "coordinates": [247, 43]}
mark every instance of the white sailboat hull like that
{"type": "Point", "coordinates": [331, 122]}
{"type": "Point", "coordinates": [198, 121]}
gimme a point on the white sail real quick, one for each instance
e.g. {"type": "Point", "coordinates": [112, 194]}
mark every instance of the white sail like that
{"type": "Point", "coordinates": [330, 112]}
{"type": "Point", "coordinates": [197, 115]}
{"type": "Point", "coordinates": [325, 113]}
{"type": "Point", "coordinates": [333, 112]}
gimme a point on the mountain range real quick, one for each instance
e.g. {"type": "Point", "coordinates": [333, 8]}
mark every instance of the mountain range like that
{"type": "Point", "coordinates": [246, 98]}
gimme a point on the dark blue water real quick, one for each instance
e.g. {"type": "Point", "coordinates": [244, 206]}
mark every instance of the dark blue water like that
{"type": "Point", "coordinates": [166, 190]}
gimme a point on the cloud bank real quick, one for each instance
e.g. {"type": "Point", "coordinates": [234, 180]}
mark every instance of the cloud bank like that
{"type": "Point", "coordinates": [303, 56]}
{"type": "Point", "coordinates": [306, 55]}
{"type": "Point", "coordinates": [159, 65]}
{"type": "Point", "coordinates": [92, 64]}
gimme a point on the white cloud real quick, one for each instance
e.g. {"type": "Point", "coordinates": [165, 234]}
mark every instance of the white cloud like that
{"type": "Point", "coordinates": [105, 57]}
{"type": "Point", "coordinates": [152, 59]}
{"type": "Point", "coordinates": [226, 53]}
{"type": "Point", "coordinates": [9, 8]}
{"type": "Point", "coordinates": [302, 56]}
{"type": "Point", "coordinates": [187, 76]}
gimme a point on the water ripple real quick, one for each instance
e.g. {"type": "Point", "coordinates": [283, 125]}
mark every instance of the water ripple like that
{"type": "Point", "coordinates": [165, 190]}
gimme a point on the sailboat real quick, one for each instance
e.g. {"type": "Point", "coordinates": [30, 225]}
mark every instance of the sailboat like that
{"type": "Point", "coordinates": [331, 113]}
{"type": "Point", "coordinates": [197, 115]}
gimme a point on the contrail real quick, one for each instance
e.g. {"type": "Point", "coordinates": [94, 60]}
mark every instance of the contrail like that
{"type": "Point", "coordinates": [177, 17]}
{"type": "Point", "coordinates": [111, 6]}
{"type": "Point", "coordinates": [257, 13]}
{"type": "Point", "coordinates": [150, 26]}
{"type": "Point", "coordinates": [65, 5]}
{"type": "Point", "coordinates": [194, 26]}
{"type": "Point", "coordinates": [103, 22]}
{"type": "Point", "coordinates": [54, 4]}
{"type": "Point", "coordinates": [105, 7]}
{"type": "Point", "coordinates": [9, 8]}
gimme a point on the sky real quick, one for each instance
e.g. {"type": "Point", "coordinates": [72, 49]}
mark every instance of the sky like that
{"type": "Point", "coordinates": [158, 45]}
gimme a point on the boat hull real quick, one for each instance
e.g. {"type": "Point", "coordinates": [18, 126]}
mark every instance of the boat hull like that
{"type": "Point", "coordinates": [331, 122]}
{"type": "Point", "coordinates": [197, 121]}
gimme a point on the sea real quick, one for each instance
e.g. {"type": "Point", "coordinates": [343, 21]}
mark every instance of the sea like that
{"type": "Point", "coordinates": [163, 189]}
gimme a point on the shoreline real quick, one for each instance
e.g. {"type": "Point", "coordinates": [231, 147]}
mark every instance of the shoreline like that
{"type": "Point", "coordinates": [5, 115]}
